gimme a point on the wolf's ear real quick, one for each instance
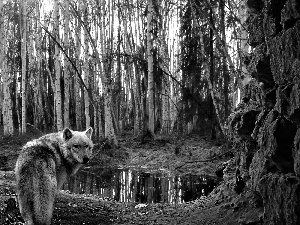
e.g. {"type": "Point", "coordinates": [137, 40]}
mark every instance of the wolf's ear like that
{"type": "Point", "coordinates": [89, 132]}
{"type": "Point", "coordinates": [67, 134]}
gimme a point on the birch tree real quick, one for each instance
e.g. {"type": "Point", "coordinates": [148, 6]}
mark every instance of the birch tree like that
{"type": "Point", "coordinates": [225, 71]}
{"type": "Point", "coordinates": [150, 67]}
{"type": "Point", "coordinates": [126, 15]}
{"type": "Point", "coordinates": [66, 65]}
{"type": "Point", "coordinates": [244, 47]}
{"type": "Point", "coordinates": [7, 101]}
{"type": "Point", "coordinates": [58, 100]}
{"type": "Point", "coordinates": [86, 66]}
{"type": "Point", "coordinates": [164, 63]}
{"type": "Point", "coordinates": [107, 89]}
{"type": "Point", "coordinates": [38, 92]}
{"type": "Point", "coordinates": [6, 78]}
{"type": "Point", "coordinates": [23, 55]}
{"type": "Point", "coordinates": [1, 55]}
{"type": "Point", "coordinates": [77, 86]}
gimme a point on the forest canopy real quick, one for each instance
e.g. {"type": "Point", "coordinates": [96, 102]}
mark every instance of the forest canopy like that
{"type": "Point", "coordinates": [141, 65]}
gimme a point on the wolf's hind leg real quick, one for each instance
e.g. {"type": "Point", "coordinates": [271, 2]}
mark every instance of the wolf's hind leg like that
{"type": "Point", "coordinates": [45, 191]}
{"type": "Point", "coordinates": [37, 186]}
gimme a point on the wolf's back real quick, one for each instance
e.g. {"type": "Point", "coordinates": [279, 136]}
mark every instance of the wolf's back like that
{"type": "Point", "coordinates": [36, 181]}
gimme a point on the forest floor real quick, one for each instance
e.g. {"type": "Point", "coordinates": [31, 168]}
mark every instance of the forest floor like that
{"type": "Point", "coordinates": [183, 155]}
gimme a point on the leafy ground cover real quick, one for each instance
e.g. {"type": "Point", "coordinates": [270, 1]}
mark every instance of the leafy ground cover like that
{"type": "Point", "coordinates": [190, 154]}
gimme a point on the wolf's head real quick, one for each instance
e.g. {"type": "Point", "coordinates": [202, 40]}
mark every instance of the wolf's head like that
{"type": "Point", "coordinates": [79, 145]}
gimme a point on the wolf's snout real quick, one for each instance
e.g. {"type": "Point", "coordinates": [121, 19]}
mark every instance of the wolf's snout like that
{"type": "Point", "coordinates": [85, 160]}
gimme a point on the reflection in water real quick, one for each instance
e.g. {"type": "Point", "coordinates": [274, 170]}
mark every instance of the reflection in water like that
{"type": "Point", "coordinates": [129, 185]}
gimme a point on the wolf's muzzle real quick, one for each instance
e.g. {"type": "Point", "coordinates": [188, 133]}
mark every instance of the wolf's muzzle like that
{"type": "Point", "coordinates": [85, 160]}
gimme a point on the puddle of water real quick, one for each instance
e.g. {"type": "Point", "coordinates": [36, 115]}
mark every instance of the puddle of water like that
{"type": "Point", "coordinates": [131, 185]}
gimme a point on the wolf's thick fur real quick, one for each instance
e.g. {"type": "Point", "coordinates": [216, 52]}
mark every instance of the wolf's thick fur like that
{"type": "Point", "coordinates": [43, 166]}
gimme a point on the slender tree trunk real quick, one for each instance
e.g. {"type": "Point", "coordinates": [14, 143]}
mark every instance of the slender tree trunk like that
{"type": "Point", "coordinates": [118, 87]}
{"type": "Point", "coordinates": [7, 101]}
{"type": "Point", "coordinates": [1, 57]}
{"type": "Point", "coordinates": [243, 14]}
{"type": "Point", "coordinates": [107, 92]}
{"type": "Point", "coordinates": [2, 36]}
{"type": "Point", "coordinates": [136, 98]}
{"type": "Point", "coordinates": [109, 128]}
{"type": "Point", "coordinates": [86, 69]}
{"type": "Point", "coordinates": [165, 80]}
{"type": "Point", "coordinates": [95, 84]}
{"type": "Point", "coordinates": [6, 78]}
{"type": "Point", "coordinates": [66, 65]}
{"type": "Point", "coordinates": [213, 107]}
{"type": "Point", "coordinates": [38, 107]}
{"type": "Point", "coordinates": [58, 100]}
{"type": "Point", "coordinates": [173, 111]}
{"type": "Point", "coordinates": [151, 122]}
{"type": "Point", "coordinates": [23, 50]}
{"type": "Point", "coordinates": [226, 76]}
{"type": "Point", "coordinates": [99, 108]}
{"type": "Point", "coordinates": [100, 125]}
{"type": "Point", "coordinates": [78, 90]}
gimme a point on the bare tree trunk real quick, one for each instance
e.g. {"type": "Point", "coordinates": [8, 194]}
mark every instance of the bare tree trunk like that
{"type": "Point", "coordinates": [1, 57]}
{"type": "Point", "coordinates": [173, 111]}
{"type": "Point", "coordinates": [118, 86]}
{"type": "Point", "coordinates": [23, 52]}
{"type": "Point", "coordinates": [7, 102]}
{"type": "Point", "coordinates": [77, 87]}
{"type": "Point", "coordinates": [109, 128]}
{"type": "Point", "coordinates": [58, 100]}
{"type": "Point", "coordinates": [86, 68]}
{"type": "Point", "coordinates": [38, 107]}
{"type": "Point", "coordinates": [165, 80]}
{"type": "Point", "coordinates": [107, 92]}
{"type": "Point", "coordinates": [99, 113]}
{"type": "Point", "coordinates": [151, 122]}
{"type": "Point", "coordinates": [226, 76]}
{"type": "Point", "coordinates": [137, 103]}
{"type": "Point", "coordinates": [6, 78]}
{"type": "Point", "coordinates": [245, 77]}
{"type": "Point", "coordinates": [1, 101]}
{"type": "Point", "coordinates": [66, 65]}
{"type": "Point", "coordinates": [100, 125]}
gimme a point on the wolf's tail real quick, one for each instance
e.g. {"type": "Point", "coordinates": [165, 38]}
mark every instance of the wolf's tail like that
{"type": "Point", "coordinates": [37, 185]}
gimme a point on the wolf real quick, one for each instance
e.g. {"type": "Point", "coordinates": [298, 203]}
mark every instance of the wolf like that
{"type": "Point", "coordinates": [43, 166]}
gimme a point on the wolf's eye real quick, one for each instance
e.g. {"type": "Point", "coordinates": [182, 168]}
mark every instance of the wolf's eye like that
{"type": "Point", "coordinates": [76, 146]}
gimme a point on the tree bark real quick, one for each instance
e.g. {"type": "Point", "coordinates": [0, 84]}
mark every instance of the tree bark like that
{"type": "Point", "coordinates": [226, 76]}
{"type": "Point", "coordinates": [77, 86]}
{"type": "Point", "coordinates": [66, 65]}
{"type": "Point", "coordinates": [38, 98]}
{"type": "Point", "coordinates": [165, 92]}
{"type": "Point", "coordinates": [151, 122]}
{"type": "Point", "coordinates": [8, 127]}
{"type": "Point", "coordinates": [24, 53]}
{"type": "Point", "coordinates": [107, 92]}
{"type": "Point", "coordinates": [7, 101]}
{"type": "Point", "coordinates": [58, 100]}
{"type": "Point", "coordinates": [86, 68]}
{"type": "Point", "coordinates": [244, 47]}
